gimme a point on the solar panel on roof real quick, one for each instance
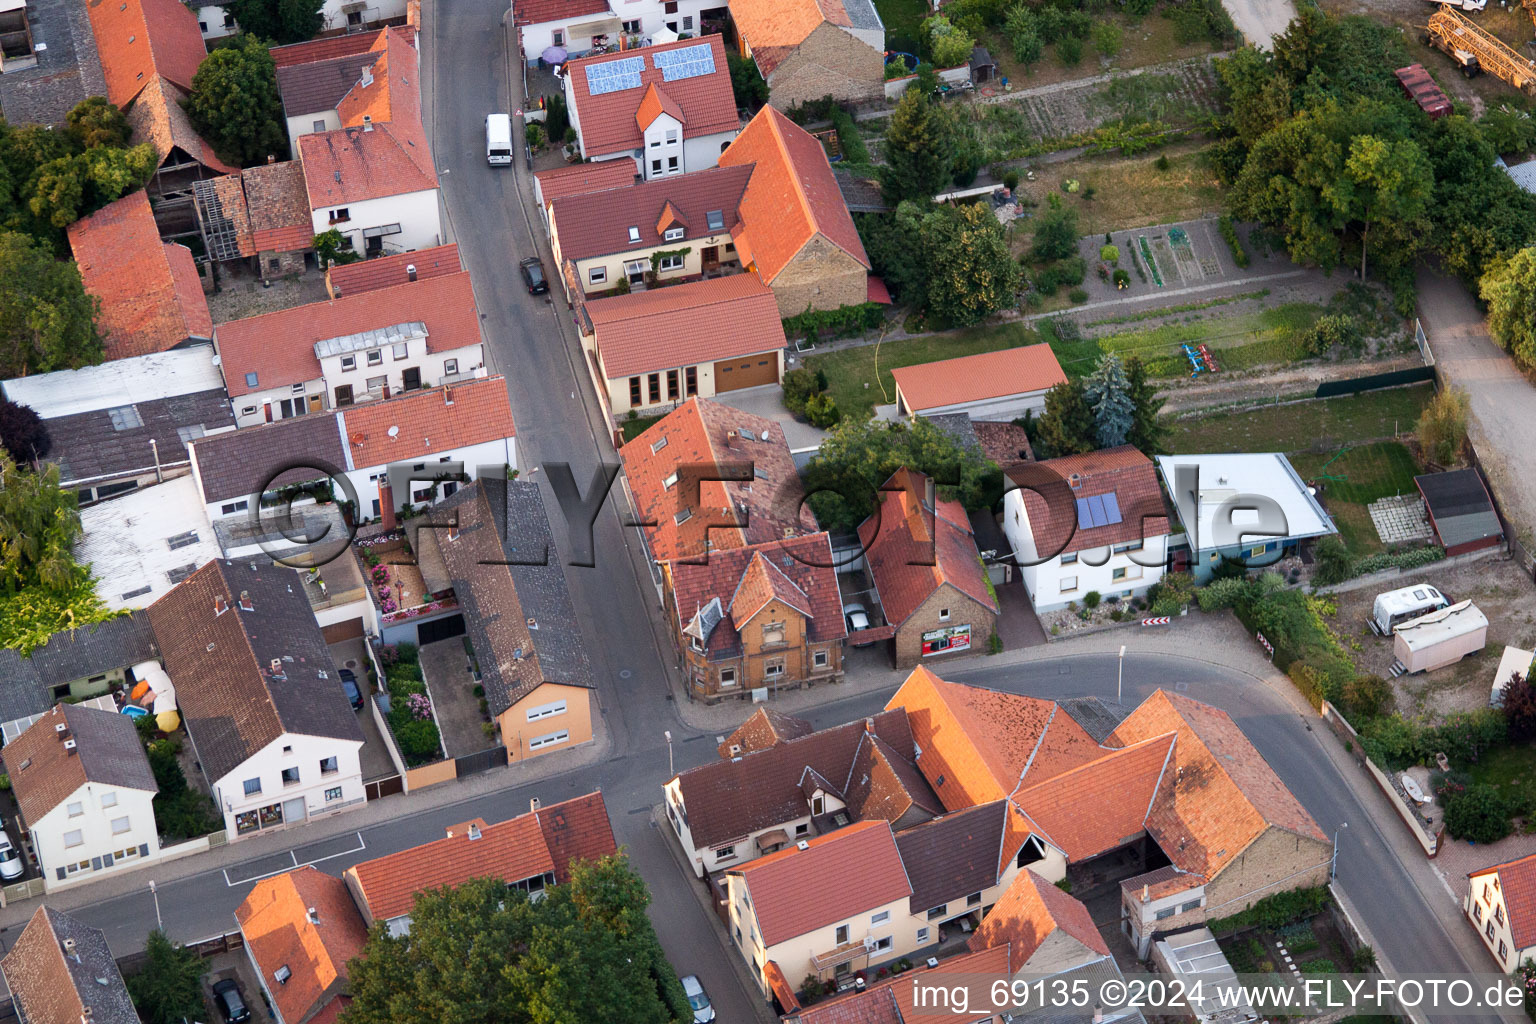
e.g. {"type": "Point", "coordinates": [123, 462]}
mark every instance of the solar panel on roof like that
{"type": "Point", "coordinates": [614, 75]}
{"type": "Point", "coordinates": [1096, 510]}
{"type": "Point", "coordinates": [1084, 518]}
{"type": "Point", "coordinates": [686, 62]}
{"type": "Point", "coordinates": [1111, 509]}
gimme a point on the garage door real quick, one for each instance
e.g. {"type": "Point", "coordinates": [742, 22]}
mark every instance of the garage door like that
{"type": "Point", "coordinates": [734, 374]}
{"type": "Point", "coordinates": [440, 629]}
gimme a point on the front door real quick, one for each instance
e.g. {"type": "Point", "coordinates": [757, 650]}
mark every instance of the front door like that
{"type": "Point", "coordinates": [294, 810]}
{"type": "Point", "coordinates": [711, 255]}
{"type": "Point", "coordinates": [343, 395]}
{"type": "Point", "coordinates": [411, 378]}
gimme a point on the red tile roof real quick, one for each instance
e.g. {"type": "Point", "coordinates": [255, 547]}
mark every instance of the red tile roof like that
{"type": "Point", "coordinates": [280, 933]}
{"type": "Point", "coordinates": [1099, 806]}
{"type": "Point", "coordinates": [597, 224]}
{"type": "Point", "coordinates": [156, 116]}
{"type": "Point", "coordinates": [609, 122]}
{"type": "Point", "coordinates": [685, 324]}
{"type": "Point", "coordinates": [792, 195]}
{"type": "Point", "coordinates": [279, 207]}
{"type": "Point", "coordinates": [150, 293]}
{"type": "Point", "coordinates": [139, 40]}
{"type": "Point", "coordinates": [1517, 881]}
{"type": "Point", "coordinates": [537, 12]}
{"type": "Point", "coordinates": [434, 420]}
{"type": "Point", "coordinates": [904, 533]}
{"type": "Point", "coordinates": [371, 275]}
{"type": "Point", "coordinates": [1124, 472]}
{"type": "Point", "coordinates": [766, 728]}
{"type": "Point", "coordinates": [576, 179]}
{"type": "Point", "coordinates": [653, 104]}
{"type": "Point", "coordinates": [1027, 914]}
{"type": "Point", "coordinates": [851, 871]}
{"type": "Point", "coordinates": [548, 840]}
{"type": "Point", "coordinates": [768, 506]}
{"type": "Point", "coordinates": [762, 583]}
{"type": "Point", "coordinates": [1010, 371]}
{"type": "Point", "coordinates": [774, 28]}
{"type": "Point", "coordinates": [893, 1001]}
{"type": "Point", "coordinates": [280, 347]}
{"type": "Point", "coordinates": [323, 49]}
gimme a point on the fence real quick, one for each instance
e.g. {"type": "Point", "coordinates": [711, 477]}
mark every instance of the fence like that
{"type": "Point", "coordinates": [1375, 382]}
{"type": "Point", "coordinates": [1422, 340]}
{"type": "Point", "coordinates": [480, 761]}
{"type": "Point", "coordinates": [1430, 841]}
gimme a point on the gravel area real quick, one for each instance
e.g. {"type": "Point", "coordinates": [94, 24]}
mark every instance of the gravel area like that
{"type": "Point", "coordinates": [241, 294]}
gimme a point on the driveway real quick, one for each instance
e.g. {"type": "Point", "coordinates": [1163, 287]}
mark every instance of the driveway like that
{"type": "Point", "coordinates": [376, 762]}
{"type": "Point", "coordinates": [1260, 21]}
{"type": "Point", "coordinates": [454, 703]}
{"type": "Point", "coordinates": [1502, 426]}
{"type": "Point", "coordinates": [768, 402]}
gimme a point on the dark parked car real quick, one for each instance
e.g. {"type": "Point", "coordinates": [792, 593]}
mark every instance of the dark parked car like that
{"type": "Point", "coordinates": [233, 1007]}
{"type": "Point", "coordinates": [533, 273]}
{"type": "Point", "coordinates": [351, 689]}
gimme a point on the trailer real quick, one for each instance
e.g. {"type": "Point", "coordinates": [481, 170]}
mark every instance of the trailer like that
{"type": "Point", "coordinates": [1476, 50]}
{"type": "Point", "coordinates": [1421, 88]}
{"type": "Point", "coordinates": [1398, 606]}
{"type": "Point", "coordinates": [1440, 638]}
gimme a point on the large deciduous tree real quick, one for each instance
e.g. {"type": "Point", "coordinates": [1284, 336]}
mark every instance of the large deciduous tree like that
{"type": "Point", "coordinates": [97, 122]}
{"type": "Point", "coordinates": [970, 272]}
{"type": "Point", "coordinates": [1509, 289]}
{"type": "Point", "coordinates": [47, 321]}
{"type": "Point", "coordinates": [235, 105]}
{"type": "Point", "coordinates": [279, 21]}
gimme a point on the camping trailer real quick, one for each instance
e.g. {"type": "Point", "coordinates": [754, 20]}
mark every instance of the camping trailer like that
{"type": "Point", "coordinates": [1398, 606]}
{"type": "Point", "coordinates": [1440, 638]}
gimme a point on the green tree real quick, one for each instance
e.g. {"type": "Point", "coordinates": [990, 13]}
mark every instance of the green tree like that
{"type": "Point", "coordinates": [950, 45]}
{"type": "Point", "coordinates": [96, 122]}
{"type": "Point", "coordinates": [917, 158]}
{"type": "Point", "coordinates": [1518, 702]}
{"type": "Point", "coordinates": [47, 321]}
{"type": "Point", "coordinates": [1477, 812]}
{"type": "Point", "coordinates": [1069, 50]}
{"type": "Point", "coordinates": [1055, 233]}
{"type": "Point", "coordinates": [1023, 32]}
{"type": "Point", "coordinates": [235, 105]}
{"type": "Point", "coordinates": [331, 247]}
{"type": "Point", "coordinates": [1442, 426]}
{"type": "Point", "coordinates": [1066, 427]}
{"type": "Point", "coordinates": [1108, 393]}
{"type": "Point", "coordinates": [278, 21]}
{"type": "Point", "coordinates": [1508, 129]}
{"type": "Point", "coordinates": [167, 989]}
{"type": "Point", "coordinates": [1148, 429]}
{"type": "Point", "coordinates": [1367, 696]}
{"type": "Point", "coordinates": [1509, 289]}
{"type": "Point", "coordinates": [1106, 37]}
{"type": "Point", "coordinates": [970, 272]}
{"type": "Point", "coordinates": [1390, 184]}
{"type": "Point", "coordinates": [747, 83]}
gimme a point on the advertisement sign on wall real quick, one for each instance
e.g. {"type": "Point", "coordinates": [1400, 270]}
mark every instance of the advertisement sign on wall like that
{"type": "Point", "coordinates": [946, 639]}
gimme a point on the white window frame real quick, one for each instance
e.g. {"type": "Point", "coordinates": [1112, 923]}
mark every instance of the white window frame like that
{"type": "Point", "coordinates": [76, 809]}
{"type": "Point", "coordinates": [1068, 584]}
{"type": "Point", "coordinates": [109, 799]}
{"type": "Point", "coordinates": [922, 935]}
{"type": "Point", "coordinates": [670, 262]}
{"type": "Point", "coordinates": [349, 362]}
{"type": "Point", "coordinates": [450, 366]}
{"type": "Point", "coordinates": [820, 659]}
{"type": "Point", "coordinates": [674, 234]}
{"type": "Point", "coordinates": [597, 275]}
{"type": "Point", "coordinates": [881, 918]}
{"type": "Point", "coordinates": [334, 793]}
{"type": "Point", "coordinates": [547, 710]}
{"type": "Point", "coordinates": [549, 740]}
{"type": "Point", "coordinates": [727, 683]}
{"type": "Point", "coordinates": [375, 357]}
{"type": "Point", "coordinates": [78, 839]}
{"type": "Point", "coordinates": [126, 825]}
{"type": "Point", "coordinates": [726, 852]}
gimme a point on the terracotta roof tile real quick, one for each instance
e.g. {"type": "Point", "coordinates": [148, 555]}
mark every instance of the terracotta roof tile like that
{"type": "Point", "coordinates": [1026, 915]}
{"type": "Point", "coordinates": [537, 12]}
{"type": "Point", "coordinates": [611, 122]}
{"type": "Point", "coordinates": [1517, 881]}
{"type": "Point", "coordinates": [140, 39]}
{"type": "Point", "coordinates": [1099, 806]}
{"type": "Point", "coordinates": [885, 783]}
{"type": "Point", "coordinates": [1003, 443]}
{"type": "Point", "coordinates": [892, 1001]}
{"type": "Point", "coordinates": [851, 871]}
{"type": "Point", "coordinates": [792, 195]}
{"type": "Point", "coordinates": [1009, 371]}
{"type": "Point", "coordinates": [107, 751]}
{"type": "Point", "coordinates": [371, 275]}
{"type": "Point", "coordinates": [230, 191]}
{"type": "Point", "coordinates": [323, 49]}
{"type": "Point", "coordinates": [699, 432]}
{"type": "Point", "coordinates": [1165, 881]}
{"type": "Point", "coordinates": [151, 298]}
{"type": "Point", "coordinates": [315, 950]}
{"type": "Point", "coordinates": [953, 856]}
{"type": "Point", "coordinates": [432, 420]}
{"type": "Point", "coordinates": [653, 104]}
{"type": "Point", "coordinates": [50, 988]}
{"type": "Point", "coordinates": [761, 583]}
{"type": "Point", "coordinates": [913, 549]}
{"type": "Point", "coordinates": [576, 179]}
{"type": "Point", "coordinates": [519, 848]}
{"type": "Point", "coordinates": [1123, 472]}
{"type": "Point", "coordinates": [278, 206]}
{"type": "Point", "coordinates": [766, 728]}
{"type": "Point", "coordinates": [698, 322]}
{"type": "Point", "coordinates": [598, 223]}
{"type": "Point", "coordinates": [774, 28]}
{"type": "Point", "coordinates": [158, 118]}
{"type": "Point", "coordinates": [280, 347]}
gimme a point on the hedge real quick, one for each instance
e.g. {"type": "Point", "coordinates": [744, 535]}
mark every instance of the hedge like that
{"type": "Point", "coordinates": [1239, 254]}
{"type": "Point", "coordinates": [1413, 558]}
{"type": "Point", "coordinates": [1293, 623]}
{"type": "Point", "coordinates": [1275, 911]}
{"type": "Point", "coordinates": [1395, 742]}
{"type": "Point", "coordinates": [842, 322]}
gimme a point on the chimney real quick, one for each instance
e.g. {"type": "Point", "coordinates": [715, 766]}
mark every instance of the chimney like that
{"type": "Point", "coordinates": [386, 505]}
{"type": "Point", "coordinates": [1145, 892]}
{"type": "Point", "coordinates": [367, 122]}
{"type": "Point", "coordinates": [61, 731]}
{"type": "Point", "coordinates": [869, 725]}
{"type": "Point", "coordinates": [271, 159]}
{"type": "Point", "coordinates": [367, 78]}
{"type": "Point", "coordinates": [69, 946]}
{"type": "Point", "coordinates": [313, 915]}
{"type": "Point", "coordinates": [730, 439]}
{"type": "Point", "coordinates": [69, 747]}
{"type": "Point", "coordinates": [245, 601]}
{"type": "Point", "coordinates": [220, 605]}
{"type": "Point", "coordinates": [533, 805]}
{"type": "Point", "coordinates": [154, 451]}
{"type": "Point", "coordinates": [410, 271]}
{"type": "Point", "coordinates": [474, 831]}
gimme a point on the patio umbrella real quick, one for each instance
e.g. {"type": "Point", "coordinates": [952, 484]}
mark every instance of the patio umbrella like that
{"type": "Point", "coordinates": [554, 55]}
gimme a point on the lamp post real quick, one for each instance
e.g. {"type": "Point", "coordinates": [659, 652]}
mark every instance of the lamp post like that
{"type": "Point", "coordinates": [1333, 862]}
{"type": "Point", "coordinates": [158, 923]}
{"type": "Point", "coordinates": [1120, 676]}
{"type": "Point", "coordinates": [668, 735]}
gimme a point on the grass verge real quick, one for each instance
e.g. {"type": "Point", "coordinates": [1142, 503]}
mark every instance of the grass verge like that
{"type": "Point", "coordinates": [635, 427]}
{"type": "Point", "coordinates": [1353, 480]}
{"type": "Point", "coordinates": [1237, 342]}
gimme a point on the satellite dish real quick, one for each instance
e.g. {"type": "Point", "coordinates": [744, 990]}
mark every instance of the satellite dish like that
{"type": "Point", "coordinates": [394, 432]}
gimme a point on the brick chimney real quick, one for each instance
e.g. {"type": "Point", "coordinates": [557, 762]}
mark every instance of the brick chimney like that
{"type": "Point", "coordinates": [386, 505]}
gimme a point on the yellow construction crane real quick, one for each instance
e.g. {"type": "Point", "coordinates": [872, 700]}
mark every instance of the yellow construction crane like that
{"type": "Point", "coordinates": [1474, 49]}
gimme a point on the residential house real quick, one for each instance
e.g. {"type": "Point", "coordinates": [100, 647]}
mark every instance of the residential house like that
{"type": "Point", "coordinates": [140, 545]}
{"type": "Point", "coordinates": [758, 499]}
{"type": "Point", "coordinates": [150, 292]}
{"type": "Point", "coordinates": [952, 862]}
{"type": "Point", "coordinates": [313, 78]}
{"type": "Point", "coordinates": [301, 930]}
{"type": "Point", "coordinates": [575, 179]}
{"type": "Point", "coordinates": [1252, 506]}
{"type": "Point", "coordinates": [764, 728]}
{"type": "Point", "coordinates": [335, 16]}
{"type": "Point", "coordinates": [85, 792]}
{"type": "Point", "coordinates": [1092, 523]}
{"type": "Point", "coordinates": [416, 446]}
{"type": "Point", "coordinates": [388, 271]}
{"type": "Point", "coordinates": [1501, 904]}
{"type": "Point", "coordinates": [270, 727]}
{"type": "Point", "coordinates": [677, 229]}
{"type": "Point", "coordinates": [277, 207]}
{"type": "Point", "coordinates": [754, 802]}
{"type": "Point", "coordinates": [1160, 902]}
{"type": "Point", "coordinates": [807, 49]}
{"type": "Point", "coordinates": [765, 615]}
{"type": "Point", "coordinates": [653, 350]}
{"type": "Point", "coordinates": [372, 178]}
{"type": "Point", "coordinates": [496, 549]}
{"type": "Point", "coordinates": [668, 108]}
{"type": "Point", "coordinates": [359, 347]}
{"type": "Point", "coordinates": [894, 1000]}
{"type": "Point", "coordinates": [60, 971]}
{"type": "Point", "coordinates": [126, 424]}
{"type": "Point", "coordinates": [580, 26]}
{"type": "Point", "coordinates": [531, 852]}
{"type": "Point", "coordinates": [927, 573]}
{"type": "Point", "coordinates": [795, 230]}
{"type": "Point", "coordinates": [85, 661]}
{"type": "Point", "coordinates": [1001, 385]}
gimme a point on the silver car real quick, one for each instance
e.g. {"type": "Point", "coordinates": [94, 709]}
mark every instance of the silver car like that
{"type": "Point", "coordinates": [858, 618]}
{"type": "Point", "coordinates": [703, 1013]}
{"type": "Point", "coordinates": [11, 864]}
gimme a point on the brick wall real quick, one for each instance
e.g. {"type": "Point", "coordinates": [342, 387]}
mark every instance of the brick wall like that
{"type": "Point", "coordinates": [1277, 861]}
{"type": "Point", "coordinates": [287, 263]}
{"type": "Point", "coordinates": [829, 63]}
{"type": "Point", "coordinates": [963, 610]}
{"type": "Point", "coordinates": [821, 276]}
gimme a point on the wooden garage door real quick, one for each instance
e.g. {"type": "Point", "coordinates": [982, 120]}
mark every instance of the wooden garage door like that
{"type": "Point", "coordinates": [748, 372]}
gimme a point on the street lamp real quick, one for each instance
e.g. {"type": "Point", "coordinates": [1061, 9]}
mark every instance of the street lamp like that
{"type": "Point", "coordinates": [668, 735]}
{"type": "Point", "coordinates": [1120, 676]}
{"type": "Point", "coordinates": [158, 924]}
{"type": "Point", "coordinates": [1333, 863]}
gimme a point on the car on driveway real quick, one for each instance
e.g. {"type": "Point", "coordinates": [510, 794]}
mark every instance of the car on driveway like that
{"type": "Point", "coordinates": [351, 689]}
{"type": "Point", "coordinates": [858, 618]}
{"type": "Point", "coordinates": [11, 864]}
{"type": "Point", "coordinates": [703, 1013]}
{"type": "Point", "coordinates": [227, 994]}
{"type": "Point", "coordinates": [533, 274]}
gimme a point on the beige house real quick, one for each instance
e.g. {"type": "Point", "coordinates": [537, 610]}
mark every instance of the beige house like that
{"type": "Point", "coordinates": [807, 50]}
{"type": "Point", "coordinates": [1501, 904]}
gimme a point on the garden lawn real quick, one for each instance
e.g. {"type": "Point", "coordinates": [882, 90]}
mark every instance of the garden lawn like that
{"type": "Point", "coordinates": [1510, 768]}
{"type": "Point", "coordinates": [1238, 342]}
{"type": "Point", "coordinates": [903, 19]}
{"type": "Point", "coordinates": [1130, 191]}
{"type": "Point", "coordinates": [1368, 416]}
{"type": "Point", "coordinates": [635, 427]}
{"type": "Point", "coordinates": [1353, 480]}
{"type": "Point", "coordinates": [1143, 41]}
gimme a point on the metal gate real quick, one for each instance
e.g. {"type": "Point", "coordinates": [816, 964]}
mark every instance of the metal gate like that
{"type": "Point", "coordinates": [485, 760]}
{"type": "Point", "coordinates": [387, 786]}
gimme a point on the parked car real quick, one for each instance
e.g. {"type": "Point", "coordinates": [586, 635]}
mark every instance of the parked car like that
{"type": "Point", "coordinates": [227, 993]}
{"type": "Point", "coordinates": [11, 864]}
{"type": "Point", "coordinates": [533, 273]}
{"type": "Point", "coordinates": [703, 1013]}
{"type": "Point", "coordinates": [858, 618]}
{"type": "Point", "coordinates": [351, 689]}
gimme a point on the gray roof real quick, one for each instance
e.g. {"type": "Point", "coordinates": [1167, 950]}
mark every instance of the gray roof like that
{"type": "Point", "coordinates": [87, 651]}
{"type": "Point", "coordinates": [958, 425]}
{"type": "Point", "coordinates": [317, 86]}
{"type": "Point", "coordinates": [1092, 975]}
{"type": "Point", "coordinates": [863, 15]}
{"type": "Point", "coordinates": [1097, 718]}
{"type": "Point", "coordinates": [110, 750]}
{"type": "Point", "coordinates": [953, 856]}
{"type": "Point", "coordinates": [22, 693]}
{"type": "Point", "coordinates": [1459, 506]}
{"type": "Point", "coordinates": [92, 446]}
{"type": "Point", "coordinates": [67, 71]}
{"type": "Point", "coordinates": [52, 986]}
{"type": "Point", "coordinates": [860, 194]}
{"type": "Point", "coordinates": [241, 462]}
{"type": "Point", "coordinates": [379, 337]}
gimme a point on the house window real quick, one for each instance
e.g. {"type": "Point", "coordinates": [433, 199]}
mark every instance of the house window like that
{"type": "Point", "coordinates": [1486, 898]}
{"type": "Point", "coordinates": [375, 356]}
{"type": "Point", "coordinates": [1117, 575]}
{"type": "Point", "coordinates": [725, 853]}
{"type": "Point", "coordinates": [774, 669]}
{"type": "Point", "coordinates": [683, 516]}
{"type": "Point", "coordinates": [1068, 583]}
{"type": "Point", "coordinates": [546, 710]}
{"type": "Point", "coordinates": [252, 787]}
{"type": "Point", "coordinates": [349, 362]}
{"type": "Point", "coordinates": [727, 677]}
{"type": "Point", "coordinates": [333, 794]}
{"type": "Point", "coordinates": [1163, 915]}
{"type": "Point", "coordinates": [884, 945]}
{"type": "Point", "coordinates": [76, 809]}
{"type": "Point", "coordinates": [450, 366]}
{"type": "Point", "coordinates": [634, 391]}
{"type": "Point", "coordinates": [673, 234]}
{"type": "Point", "coordinates": [691, 381]}
{"type": "Point", "coordinates": [672, 385]}
{"type": "Point", "coordinates": [340, 215]}
{"type": "Point", "coordinates": [1477, 912]}
{"type": "Point", "coordinates": [1489, 929]}
{"type": "Point", "coordinates": [119, 826]}
{"type": "Point", "coordinates": [401, 350]}
{"type": "Point", "coordinates": [922, 935]}
{"type": "Point", "coordinates": [1191, 905]}
{"type": "Point", "coordinates": [715, 219]}
{"type": "Point", "coordinates": [109, 799]}
{"type": "Point", "coordinates": [1503, 950]}
{"type": "Point", "coordinates": [248, 410]}
{"type": "Point", "coordinates": [819, 659]}
{"type": "Point", "coordinates": [943, 614]}
{"type": "Point", "coordinates": [328, 766]}
{"type": "Point", "coordinates": [818, 805]}
{"type": "Point", "coordinates": [655, 169]}
{"type": "Point", "coordinates": [230, 508]}
{"type": "Point", "coordinates": [597, 275]}
{"type": "Point", "coordinates": [802, 829]}
{"type": "Point", "coordinates": [842, 934]}
{"type": "Point", "coordinates": [880, 918]}
{"type": "Point", "coordinates": [634, 234]}
{"type": "Point", "coordinates": [290, 776]}
{"type": "Point", "coordinates": [557, 37]}
{"type": "Point", "coordinates": [655, 143]}
{"type": "Point", "coordinates": [1255, 552]}
{"type": "Point", "coordinates": [1069, 559]}
{"type": "Point", "coordinates": [973, 900]}
{"type": "Point", "coordinates": [670, 263]}
{"type": "Point", "coordinates": [669, 481]}
{"type": "Point", "coordinates": [687, 23]}
{"type": "Point", "coordinates": [630, 28]}
{"type": "Point", "coordinates": [549, 740]}
{"type": "Point", "coordinates": [317, 125]}
{"type": "Point", "coordinates": [773, 633]}
{"type": "Point", "coordinates": [1498, 913]}
{"type": "Point", "coordinates": [653, 385]}
{"type": "Point", "coordinates": [77, 838]}
{"type": "Point", "coordinates": [937, 912]}
{"type": "Point", "coordinates": [672, 167]}
{"type": "Point", "coordinates": [671, 136]}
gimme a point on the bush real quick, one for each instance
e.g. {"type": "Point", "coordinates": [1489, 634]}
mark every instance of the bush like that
{"type": "Point", "coordinates": [1228, 232]}
{"type": "Point", "coordinates": [1171, 594]}
{"type": "Point", "coordinates": [842, 322]}
{"type": "Point", "coordinates": [1091, 599]}
{"type": "Point", "coordinates": [1274, 912]}
{"type": "Point", "coordinates": [822, 411]}
{"type": "Point", "coordinates": [418, 739]}
{"type": "Point", "coordinates": [407, 654]}
{"type": "Point", "coordinates": [1478, 812]}
{"type": "Point", "coordinates": [1332, 330]}
{"type": "Point", "coordinates": [1078, 295]}
{"type": "Point", "coordinates": [1110, 254]}
{"type": "Point", "coordinates": [1219, 594]}
{"type": "Point", "coordinates": [1366, 697]}
{"type": "Point", "coordinates": [1011, 181]}
{"type": "Point", "coordinates": [1122, 279]}
{"type": "Point", "coordinates": [533, 134]}
{"type": "Point", "coordinates": [1395, 742]}
{"type": "Point", "coordinates": [1069, 50]}
{"type": "Point", "coordinates": [1162, 162]}
{"type": "Point", "coordinates": [1106, 37]}
{"type": "Point", "coordinates": [799, 387]}
{"type": "Point", "coordinates": [1413, 558]}
{"type": "Point", "coordinates": [1363, 960]}
{"type": "Point", "coordinates": [1442, 426]}
{"type": "Point", "coordinates": [1333, 562]}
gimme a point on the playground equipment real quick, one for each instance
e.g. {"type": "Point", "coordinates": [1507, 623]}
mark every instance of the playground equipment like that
{"type": "Point", "coordinates": [1200, 360]}
{"type": "Point", "coordinates": [1475, 50]}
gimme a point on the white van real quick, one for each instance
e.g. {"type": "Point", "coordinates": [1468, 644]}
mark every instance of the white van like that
{"type": "Point", "coordinates": [498, 140]}
{"type": "Point", "coordinates": [1391, 609]}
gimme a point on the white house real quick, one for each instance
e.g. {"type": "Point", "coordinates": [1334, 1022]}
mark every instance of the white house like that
{"type": "Point", "coordinates": [357, 348]}
{"type": "Point", "coordinates": [576, 26]}
{"type": "Point", "coordinates": [669, 108]}
{"type": "Point", "coordinates": [1093, 523]}
{"type": "Point", "coordinates": [142, 544]}
{"type": "Point", "coordinates": [85, 790]}
{"type": "Point", "coordinates": [351, 15]}
{"type": "Point", "coordinates": [270, 726]}
{"type": "Point", "coordinates": [1002, 385]}
{"type": "Point", "coordinates": [1500, 906]}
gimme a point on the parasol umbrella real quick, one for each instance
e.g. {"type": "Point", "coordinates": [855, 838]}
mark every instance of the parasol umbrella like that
{"type": "Point", "coordinates": [554, 55]}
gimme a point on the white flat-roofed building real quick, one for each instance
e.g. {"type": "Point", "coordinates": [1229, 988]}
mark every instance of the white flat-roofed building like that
{"type": "Point", "coordinates": [143, 544]}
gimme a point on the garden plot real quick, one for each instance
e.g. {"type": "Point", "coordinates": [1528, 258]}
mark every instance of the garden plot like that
{"type": "Point", "coordinates": [1182, 256]}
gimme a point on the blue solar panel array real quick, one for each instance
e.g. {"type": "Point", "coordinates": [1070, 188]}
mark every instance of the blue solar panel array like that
{"type": "Point", "coordinates": [1099, 510]}
{"type": "Point", "coordinates": [614, 75]}
{"type": "Point", "coordinates": [687, 62]}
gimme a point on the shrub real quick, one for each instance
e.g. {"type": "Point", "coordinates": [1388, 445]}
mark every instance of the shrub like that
{"type": "Point", "coordinates": [1478, 812]}
{"type": "Point", "coordinates": [1171, 594]}
{"type": "Point", "coordinates": [842, 322]}
{"type": "Point", "coordinates": [1363, 960]}
{"type": "Point", "coordinates": [1442, 426]}
{"type": "Point", "coordinates": [799, 388]}
{"type": "Point", "coordinates": [1110, 254]}
{"type": "Point", "coordinates": [1078, 295]}
{"type": "Point", "coordinates": [1219, 594]}
{"type": "Point", "coordinates": [1069, 50]}
{"type": "Point", "coordinates": [1365, 697]}
{"type": "Point", "coordinates": [406, 653]}
{"type": "Point", "coordinates": [822, 411]}
{"type": "Point", "coordinates": [1011, 181]}
{"type": "Point", "coordinates": [1122, 279]}
{"type": "Point", "coordinates": [1413, 558]}
{"type": "Point", "coordinates": [1228, 232]}
{"type": "Point", "coordinates": [1106, 37]}
{"type": "Point", "coordinates": [1333, 562]}
{"type": "Point", "coordinates": [1091, 599]}
{"type": "Point", "coordinates": [1332, 330]}
{"type": "Point", "coordinates": [418, 740]}
{"type": "Point", "coordinates": [1277, 911]}
{"type": "Point", "coordinates": [1162, 162]}
{"type": "Point", "coordinates": [1322, 965]}
{"type": "Point", "coordinates": [533, 134]}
